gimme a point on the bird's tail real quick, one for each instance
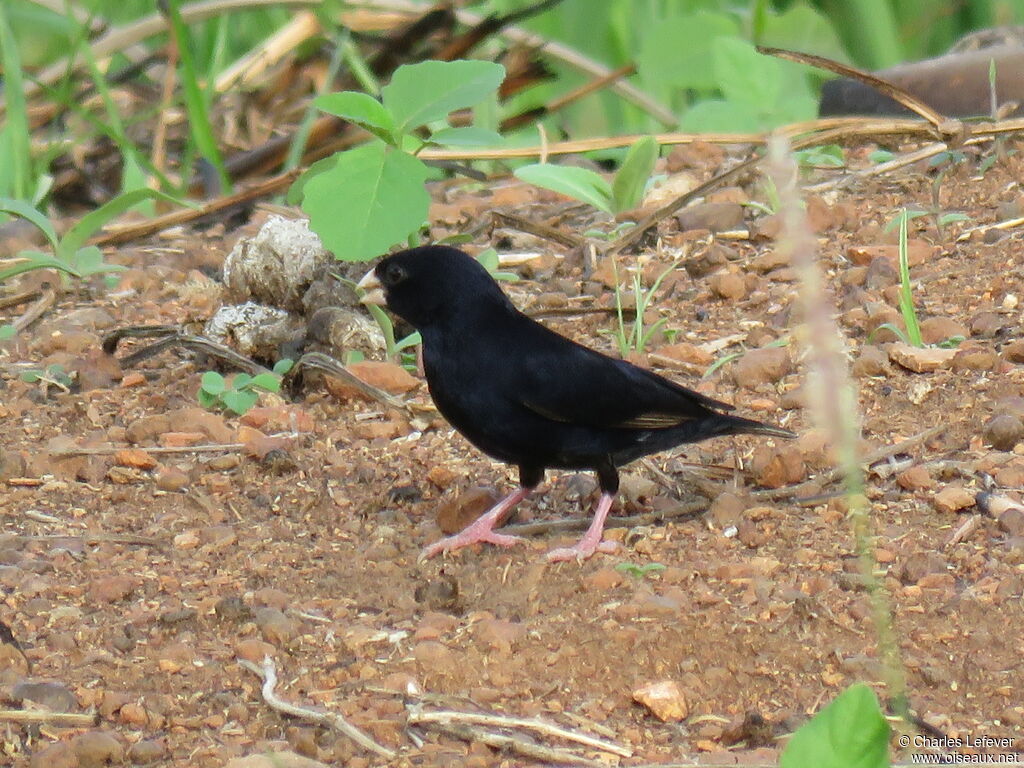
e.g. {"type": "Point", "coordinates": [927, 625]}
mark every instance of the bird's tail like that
{"type": "Point", "coordinates": [741, 426]}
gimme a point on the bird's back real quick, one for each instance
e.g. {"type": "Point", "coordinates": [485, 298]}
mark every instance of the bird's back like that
{"type": "Point", "coordinates": [526, 395]}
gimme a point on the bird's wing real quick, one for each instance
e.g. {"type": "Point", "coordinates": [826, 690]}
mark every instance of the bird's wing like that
{"type": "Point", "coordinates": [567, 383]}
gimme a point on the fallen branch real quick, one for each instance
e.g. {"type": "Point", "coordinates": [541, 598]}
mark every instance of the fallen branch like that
{"type": "Point", "coordinates": [268, 673]}
{"type": "Point", "coordinates": [517, 744]}
{"type": "Point", "coordinates": [111, 449]}
{"type": "Point", "coordinates": [692, 509]}
{"type": "Point", "coordinates": [449, 717]}
{"type": "Point", "coordinates": [33, 716]}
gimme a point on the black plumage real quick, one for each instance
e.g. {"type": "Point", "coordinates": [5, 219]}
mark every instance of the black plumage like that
{"type": "Point", "coordinates": [525, 395]}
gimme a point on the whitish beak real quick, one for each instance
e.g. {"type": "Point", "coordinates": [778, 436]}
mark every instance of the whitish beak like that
{"type": "Point", "coordinates": [373, 291]}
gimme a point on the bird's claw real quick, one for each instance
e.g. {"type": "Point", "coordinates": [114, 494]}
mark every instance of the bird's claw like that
{"type": "Point", "coordinates": [460, 540]}
{"type": "Point", "coordinates": [581, 551]}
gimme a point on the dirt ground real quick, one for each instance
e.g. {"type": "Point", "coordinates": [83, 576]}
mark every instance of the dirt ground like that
{"type": "Point", "coordinates": [135, 580]}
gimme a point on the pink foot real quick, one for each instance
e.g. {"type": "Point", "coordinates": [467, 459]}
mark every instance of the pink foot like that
{"type": "Point", "coordinates": [480, 530]}
{"type": "Point", "coordinates": [593, 539]}
{"type": "Point", "coordinates": [581, 551]}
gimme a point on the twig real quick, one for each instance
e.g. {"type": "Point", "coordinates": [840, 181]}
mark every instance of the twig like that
{"type": "Point", "coordinates": [579, 523]}
{"type": "Point", "coordinates": [448, 717]}
{"type": "Point", "coordinates": [268, 673]}
{"type": "Point", "coordinates": [54, 718]}
{"type": "Point", "coordinates": [18, 298]}
{"type": "Point", "coordinates": [837, 473]}
{"type": "Point", "coordinates": [41, 517]}
{"type": "Point", "coordinates": [97, 538]}
{"type": "Point", "coordinates": [109, 449]}
{"type": "Point", "coordinates": [160, 223]}
{"type": "Point", "coordinates": [523, 224]}
{"type": "Point", "coordinates": [46, 301]}
{"type": "Point", "coordinates": [327, 365]}
{"type": "Point", "coordinates": [516, 744]}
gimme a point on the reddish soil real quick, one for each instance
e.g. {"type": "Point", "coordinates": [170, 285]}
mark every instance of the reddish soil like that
{"type": "Point", "coordinates": [135, 582]}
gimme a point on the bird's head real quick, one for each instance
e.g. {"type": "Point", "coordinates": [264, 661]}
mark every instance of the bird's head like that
{"type": "Point", "coordinates": [425, 285]}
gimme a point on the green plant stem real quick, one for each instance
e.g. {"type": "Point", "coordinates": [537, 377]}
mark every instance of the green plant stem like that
{"type": "Point", "coordinates": [15, 150]}
{"type": "Point", "coordinates": [361, 71]}
{"type": "Point", "coordinates": [906, 292]}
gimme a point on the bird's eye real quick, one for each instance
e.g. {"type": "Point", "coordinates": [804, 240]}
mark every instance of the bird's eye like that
{"type": "Point", "coordinates": [394, 274]}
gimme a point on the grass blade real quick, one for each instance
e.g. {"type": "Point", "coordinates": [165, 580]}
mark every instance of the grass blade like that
{"type": "Point", "coordinates": [15, 151]}
{"type": "Point", "coordinates": [195, 103]}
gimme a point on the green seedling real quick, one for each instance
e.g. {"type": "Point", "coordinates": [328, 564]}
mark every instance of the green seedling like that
{"type": "Point", "coordinates": [54, 375]}
{"type": "Point", "coordinates": [1001, 153]}
{"type": "Point", "coordinates": [636, 337]}
{"type": "Point", "coordinates": [364, 200]}
{"type": "Point", "coordinates": [949, 159]}
{"type": "Point", "coordinates": [881, 156]}
{"type": "Point", "coordinates": [638, 571]}
{"type": "Point", "coordinates": [828, 156]}
{"type": "Point", "coordinates": [625, 191]}
{"type": "Point", "coordinates": [69, 254]}
{"type": "Point", "coordinates": [239, 393]}
{"type": "Point", "coordinates": [7, 332]}
{"type": "Point", "coordinates": [612, 234]}
{"type": "Point", "coordinates": [912, 336]}
{"type": "Point", "coordinates": [851, 732]}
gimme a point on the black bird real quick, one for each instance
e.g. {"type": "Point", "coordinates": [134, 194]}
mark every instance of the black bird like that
{"type": "Point", "coordinates": [527, 396]}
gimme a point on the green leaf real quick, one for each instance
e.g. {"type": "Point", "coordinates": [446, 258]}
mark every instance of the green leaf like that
{"type": "Point", "coordinates": [282, 366]}
{"type": "Point", "coordinates": [409, 341]}
{"type": "Point", "coordinates": [677, 52]}
{"type": "Point", "coordinates": [578, 183]}
{"type": "Point", "coordinates": [31, 377]}
{"type": "Point", "coordinates": [89, 261]}
{"type": "Point", "coordinates": [631, 180]}
{"type": "Point", "coordinates": [206, 399]}
{"type": "Point", "coordinates": [906, 301]}
{"type": "Point", "coordinates": [94, 221]}
{"type": "Point", "coordinates": [828, 156]}
{"type": "Point", "coordinates": [15, 147]}
{"type": "Point", "coordinates": [361, 109]}
{"type": "Point", "coordinates": [37, 260]}
{"type": "Point", "coordinates": [745, 76]}
{"type": "Point", "coordinates": [298, 190]}
{"type": "Point", "coordinates": [428, 91]}
{"type": "Point", "coordinates": [851, 732]}
{"type": "Point", "coordinates": [241, 381]}
{"type": "Point", "coordinates": [266, 381]}
{"type": "Point", "coordinates": [370, 199]}
{"type": "Point", "coordinates": [239, 401]}
{"type": "Point", "coordinates": [717, 116]}
{"type": "Point", "coordinates": [489, 258]}
{"type": "Point", "coordinates": [24, 210]}
{"type": "Point", "coordinates": [949, 218]}
{"type": "Point", "coordinates": [212, 383]}
{"type": "Point", "coordinates": [802, 28]}
{"type": "Point", "coordinates": [7, 332]}
{"type": "Point", "coordinates": [466, 136]}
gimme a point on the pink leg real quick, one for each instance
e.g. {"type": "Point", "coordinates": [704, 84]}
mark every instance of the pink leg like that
{"type": "Point", "coordinates": [481, 529]}
{"type": "Point", "coordinates": [592, 540]}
